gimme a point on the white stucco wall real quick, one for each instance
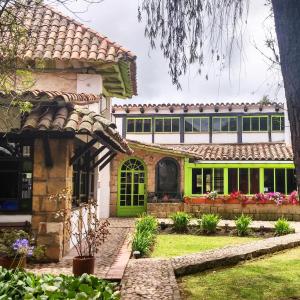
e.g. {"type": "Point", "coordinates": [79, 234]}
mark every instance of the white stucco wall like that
{"type": "Point", "coordinates": [167, 138]}
{"type": "Point", "coordinates": [255, 137]}
{"type": "Point", "coordinates": [15, 218]}
{"type": "Point", "coordinates": [278, 136]}
{"type": "Point", "coordinates": [225, 137]}
{"type": "Point", "coordinates": [119, 124]}
{"type": "Point", "coordinates": [89, 83]}
{"type": "Point", "coordinates": [196, 138]}
{"type": "Point", "coordinates": [145, 138]}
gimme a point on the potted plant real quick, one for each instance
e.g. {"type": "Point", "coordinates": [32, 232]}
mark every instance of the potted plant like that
{"type": "Point", "coordinates": [86, 233]}
{"type": "Point", "coordinates": [14, 248]}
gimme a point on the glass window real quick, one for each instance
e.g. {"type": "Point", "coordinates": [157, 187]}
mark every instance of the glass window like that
{"type": "Point", "coordinates": [232, 180]}
{"type": "Point", "coordinates": [188, 124]}
{"type": "Point", "coordinates": [254, 181]}
{"type": "Point", "coordinates": [196, 125]}
{"type": "Point", "coordinates": [244, 181]}
{"type": "Point", "coordinates": [278, 123]}
{"type": "Point", "coordinates": [175, 125]}
{"type": "Point", "coordinates": [207, 180]}
{"type": "Point", "coordinates": [167, 125]}
{"type": "Point", "coordinates": [197, 181]}
{"type": "Point", "coordinates": [255, 124]}
{"type": "Point", "coordinates": [246, 124]}
{"type": "Point", "coordinates": [204, 124]}
{"type": "Point", "coordinates": [219, 180]}
{"type": "Point", "coordinates": [216, 124]}
{"type": "Point", "coordinates": [291, 180]}
{"type": "Point", "coordinates": [263, 124]}
{"type": "Point", "coordinates": [130, 125]}
{"type": "Point", "coordinates": [280, 180]}
{"type": "Point", "coordinates": [224, 124]}
{"type": "Point", "coordinates": [232, 124]}
{"type": "Point", "coordinates": [159, 125]}
{"type": "Point", "coordinates": [268, 180]}
{"type": "Point", "coordinates": [147, 125]}
{"type": "Point", "coordinates": [138, 125]}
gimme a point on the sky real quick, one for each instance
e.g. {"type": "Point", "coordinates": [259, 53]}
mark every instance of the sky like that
{"type": "Point", "coordinates": [250, 75]}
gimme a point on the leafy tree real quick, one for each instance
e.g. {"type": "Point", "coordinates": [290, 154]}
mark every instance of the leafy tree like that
{"type": "Point", "coordinates": [188, 30]}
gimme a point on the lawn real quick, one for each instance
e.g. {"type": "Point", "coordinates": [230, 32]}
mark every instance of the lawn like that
{"type": "Point", "coordinates": [168, 245]}
{"type": "Point", "coordinates": [275, 277]}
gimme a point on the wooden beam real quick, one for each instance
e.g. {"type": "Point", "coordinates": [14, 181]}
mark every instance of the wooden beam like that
{"type": "Point", "coordinates": [97, 152]}
{"type": "Point", "coordinates": [109, 159]}
{"type": "Point", "coordinates": [99, 161]}
{"type": "Point", "coordinates": [82, 151]}
{"type": "Point", "coordinates": [47, 153]}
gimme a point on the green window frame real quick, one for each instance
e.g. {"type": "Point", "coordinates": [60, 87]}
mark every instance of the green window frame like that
{"type": "Point", "coordinates": [167, 125]}
{"type": "Point", "coordinates": [255, 124]}
{"type": "Point", "coordinates": [196, 124]}
{"type": "Point", "coordinates": [139, 125]}
{"type": "Point", "coordinates": [277, 123]}
{"type": "Point", "coordinates": [224, 124]}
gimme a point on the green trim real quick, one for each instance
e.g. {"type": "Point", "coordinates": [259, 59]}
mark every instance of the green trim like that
{"type": "Point", "coordinates": [220, 128]}
{"type": "Point", "coordinates": [143, 125]}
{"type": "Point", "coordinates": [259, 126]}
{"type": "Point", "coordinates": [132, 211]}
{"type": "Point", "coordinates": [280, 124]}
{"type": "Point", "coordinates": [261, 166]}
{"type": "Point", "coordinates": [192, 124]}
{"type": "Point", "coordinates": [163, 129]}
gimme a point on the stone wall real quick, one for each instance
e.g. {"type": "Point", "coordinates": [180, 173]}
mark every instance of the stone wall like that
{"type": "Point", "coordinates": [264, 212]}
{"type": "Point", "coordinates": [150, 159]}
{"type": "Point", "coordinates": [46, 182]}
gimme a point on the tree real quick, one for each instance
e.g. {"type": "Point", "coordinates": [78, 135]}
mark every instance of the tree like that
{"type": "Point", "coordinates": [187, 29]}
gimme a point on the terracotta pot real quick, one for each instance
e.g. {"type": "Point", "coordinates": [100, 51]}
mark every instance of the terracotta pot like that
{"type": "Point", "coordinates": [13, 262]}
{"type": "Point", "coordinates": [83, 264]}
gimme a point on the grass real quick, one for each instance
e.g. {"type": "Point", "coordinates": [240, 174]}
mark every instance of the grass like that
{"type": "Point", "coordinates": [275, 277]}
{"type": "Point", "coordinates": [168, 245]}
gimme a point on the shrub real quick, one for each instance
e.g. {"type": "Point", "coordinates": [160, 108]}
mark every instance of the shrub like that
{"type": "Point", "coordinates": [242, 224]}
{"type": "Point", "coordinates": [147, 223]}
{"type": "Point", "coordinates": [16, 284]}
{"type": "Point", "coordinates": [282, 226]}
{"type": "Point", "coordinates": [180, 221]}
{"type": "Point", "coordinates": [209, 223]}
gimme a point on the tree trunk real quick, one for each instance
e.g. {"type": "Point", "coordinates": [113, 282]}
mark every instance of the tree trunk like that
{"type": "Point", "coordinates": [287, 24]}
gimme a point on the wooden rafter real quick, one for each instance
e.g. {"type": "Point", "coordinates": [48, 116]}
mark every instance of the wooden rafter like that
{"type": "Point", "coordinates": [82, 151]}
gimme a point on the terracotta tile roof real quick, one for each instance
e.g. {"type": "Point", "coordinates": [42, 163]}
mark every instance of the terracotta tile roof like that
{"type": "Point", "coordinates": [73, 119]}
{"type": "Point", "coordinates": [55, 96]}
{"type": "Point", "coordinates": [226, 152]}
{"type": "Point", "coordinates": [198, 106]}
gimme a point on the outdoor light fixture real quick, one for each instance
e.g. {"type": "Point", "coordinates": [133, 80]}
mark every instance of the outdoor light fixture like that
{"type": "Point", "coordinates": [136, 254]}
{"type": "Point", "coordinates": [226, 227]}
{"type": "Point", "coordinates": [163, 225]}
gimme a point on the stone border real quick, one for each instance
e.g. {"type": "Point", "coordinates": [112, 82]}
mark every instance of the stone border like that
{"type": "Point", "coordinates": [194, 263]}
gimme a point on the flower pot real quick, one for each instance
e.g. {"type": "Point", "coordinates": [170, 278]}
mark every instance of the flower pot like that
{"type": "Point", "coordinates": [13, 262]}
{"type": "Point", "coordinates": [83, 264]}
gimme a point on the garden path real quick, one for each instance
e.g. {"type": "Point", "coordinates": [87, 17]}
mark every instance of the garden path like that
{"type": "Point", "coordinates": [111, 259]}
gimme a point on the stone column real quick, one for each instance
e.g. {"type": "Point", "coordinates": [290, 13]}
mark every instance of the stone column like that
{"type": "Point", "coordinates": [49, 181]}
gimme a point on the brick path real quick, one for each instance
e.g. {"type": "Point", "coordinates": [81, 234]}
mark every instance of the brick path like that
{"type": "Point", "coordinates": [111, 259]}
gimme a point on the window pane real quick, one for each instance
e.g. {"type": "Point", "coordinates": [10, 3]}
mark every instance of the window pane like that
{"type": "Point", "coordinates": [139, 125]}
{"type": "Point", "coordinates": [216, 124]}
{"type": "Point", "coordinates": [224, 124]}
{"type": "Point", "coordinates": [280, 180]}
{"type": "Point", "coordinates": [196, 125]}
{"type": "Point", "coordinates": [269, 180]}
{"type": "Point", "coordinates": [167, 125]}
{"type": "Point", "coordinates": [246, 124]}
{"type": "Point", "coordinates": [291, 180]}
{"type": "Point", "coordinates": [254, 181]}
{"type": "Point", "coordinates": [167, 177]}
{"type": "Point", "coordinates": [9, 184]}
{"type": "Point", "coordinates": [130, 125]}
{"type": "Point", "coordinates": [197, 181]}
{"type": "Point", "coordinates": [207, 180]}
{"type": "Point", "coordinates": [159, 125]}
{"type": "Point", "coordinates": [243, 181]}
{"type": "Point", "coordinates": [147, 125]}
{"type": "Point", "coordinates": [219, 180]}
{"type": "Point", "coordinates": [232, 124]}
{"type": "Point", "coordinates": [175, 125]}
{"type": "Point", "coordinates": [232, 180]}
{"type": "Point", "coordinates": [255, 124]}
{"type": "Point", "coordinates": [282, 123]}
{"type": "Point", "coordinates": [204, 124]}
{"type": "Point", "coordinates": [263, 123]}
{"type": "Point", "coordinates": [188, 124]}
{"type": "Point", "coordinates": [275, 123]}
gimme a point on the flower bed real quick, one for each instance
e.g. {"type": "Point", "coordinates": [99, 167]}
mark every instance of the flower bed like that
{"type": "Point", "coordinates": [239, 198]}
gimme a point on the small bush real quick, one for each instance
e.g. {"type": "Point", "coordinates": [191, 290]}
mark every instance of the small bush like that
{"type": "Point", "coordinates": [282, 226]}
{"type": "Point", "coordinates": [209, 223]}
{"type": "Point", "coordinates": [147, 223]}
{"type": "Point", "coordinates": [242, 225]}
{"type": "Point", "coordinates": [180, 221]}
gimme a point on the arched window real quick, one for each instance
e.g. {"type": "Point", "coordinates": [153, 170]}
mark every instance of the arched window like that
{"type": "Point", "coordinates": [167, 178]}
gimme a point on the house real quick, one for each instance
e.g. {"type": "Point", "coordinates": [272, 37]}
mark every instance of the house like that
{"type": "Point", "coordinates": [186, 151]}
{"type": "Point", "coordinates": [68, 139]}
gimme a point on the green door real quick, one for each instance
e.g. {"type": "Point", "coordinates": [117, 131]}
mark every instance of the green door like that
{"type": "Point", "coordinates": [131, 188]}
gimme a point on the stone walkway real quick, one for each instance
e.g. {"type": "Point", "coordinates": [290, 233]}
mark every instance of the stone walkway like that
{"type": "Point", "coordinates": [111, 259]}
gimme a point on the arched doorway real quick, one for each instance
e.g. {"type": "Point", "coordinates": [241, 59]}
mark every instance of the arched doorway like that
{"type": "Point", "coordinates": [131, 188]}
{"type": "Point", "coordinates": [167, 179]}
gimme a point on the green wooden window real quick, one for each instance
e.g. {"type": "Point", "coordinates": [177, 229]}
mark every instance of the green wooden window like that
{"type": "Point", "coordinates": [255, 123]}
{"type": "Point", "coordinates": [224, 124]}
{"type": "Point", "coordinates": [167, 125]}
{"type": "Point", "coordinates": [277, 123]}
{"type": "Point", "coordinates": [196, 124]}
{"type": "Point", "coordinates": [205, 180]}
{"type": "Point", "coordinates": [137, 125]}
